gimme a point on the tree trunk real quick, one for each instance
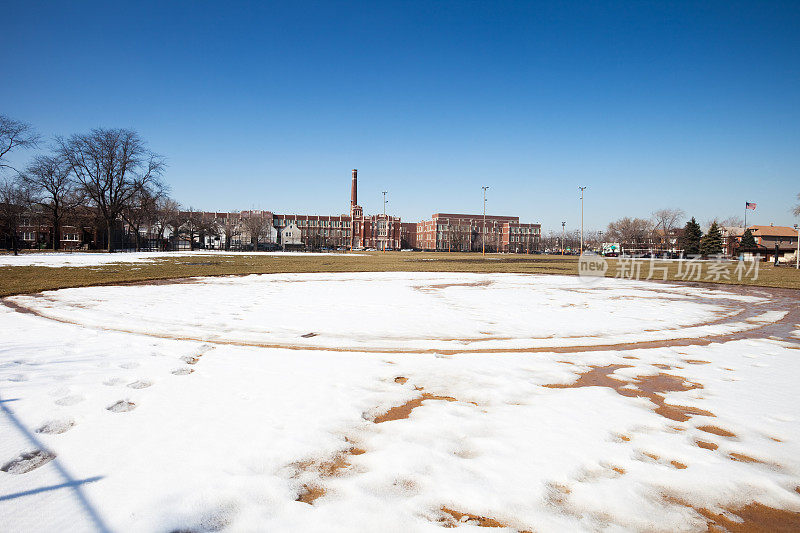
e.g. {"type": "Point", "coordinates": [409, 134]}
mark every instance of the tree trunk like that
{"type": "Point", "coordinates": [109, 246]}
{"type": "Point", "coordinates": [56, 234]}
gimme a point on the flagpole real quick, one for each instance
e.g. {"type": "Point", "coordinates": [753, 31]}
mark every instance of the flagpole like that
{"type": "Point", "coordinates": [745, 215]}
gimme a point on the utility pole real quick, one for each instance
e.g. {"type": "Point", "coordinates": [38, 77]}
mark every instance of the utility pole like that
{"type": "Point", "coordinates": [563, 234]}
{"type": "Point", "coordinates": [483, 235]}
{"type": "Point", "coordinates": [582, 189]}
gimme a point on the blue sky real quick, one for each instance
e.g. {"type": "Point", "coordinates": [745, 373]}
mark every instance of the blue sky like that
{"type": "Point", "coordinates": [269, 105]}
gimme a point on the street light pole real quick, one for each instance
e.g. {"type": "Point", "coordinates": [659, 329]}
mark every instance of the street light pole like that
{"type": "Point", "coordinates": [563, 234]}
{"type": "Point", "coordinates": [483, 234]}
{"type": "Point", "coordinates": [582, 189]}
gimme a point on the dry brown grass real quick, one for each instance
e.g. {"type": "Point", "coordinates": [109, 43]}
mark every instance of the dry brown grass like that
{"type": "Point", "coordinates": [32, 279]}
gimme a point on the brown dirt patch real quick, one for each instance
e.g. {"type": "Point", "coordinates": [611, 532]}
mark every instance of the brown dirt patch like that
{"type": "Point", "coordinates": [706, 445]}
{"type": "Point", "coordinates": [310, 493]}
{"type": "Point", "coordinates": [678, 465]}
{"type": "Point", "coordinates": [471, 519]}
{"type": "Point", "coordinates": [744, 458]}
{"type": "Point", "coordinates": [755, 518]}
{"type": "Point", "coordinates": [716, 431]}
{"type": "Point", "coordinates": [618, 470]}
{"type": "Point", "coordinates": [696, 362]}
{"type": "Point", "coordinates": [651, 387]}
{"type": "Point", "coordinates": [401, 380]}
{"type": "Point", "coordinates": [439, 286]}
{"type": "Point", "coordinates": [329, 468]}
{"type": "Point", "coordinates": [401, 412]}
{"type": "Point", "coordinates": [751, 518]}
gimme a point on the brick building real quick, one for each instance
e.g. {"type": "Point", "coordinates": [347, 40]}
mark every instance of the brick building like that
{"type": "Point", "coordinates": [771, 239]}
{"type": "Point", "coordinates": [463, 233]}
{"type": "Point", "coordinates": [353, 231]}
{"type": "Point", "coordinates": [78, 231]}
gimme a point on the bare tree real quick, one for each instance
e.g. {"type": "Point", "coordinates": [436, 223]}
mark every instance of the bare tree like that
{"type": "Point", "coordinates": [166, 210]}
{"type": "Point", "coordinates": [52, 187]}
{"type": "Point", "coordinates": [632, 232]}
{"type": "Point", "coordinates": [229, 227]}
{"type": "Point", "coordinates": [728, 222]}
{"type": "Point", "coordinates": [15, 201]}
{"type": "Point", "coordinates": [256, 225]}
{"type": "Point", "coordinates": [665, 222]}
{"type": "Point", "coordinates": [140, 213]}
{"type": "Point", "coordinates": [112, 166]}
{"type": "Point", "coordinates": [14, 134]}
{"type": "Point", "coordinates": [193, 225]}
{"type": "Point", "coordinates": [796, 209]}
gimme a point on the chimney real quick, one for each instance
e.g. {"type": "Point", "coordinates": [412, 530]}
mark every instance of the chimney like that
{"type": "Point", "coordinates": [354, 189]}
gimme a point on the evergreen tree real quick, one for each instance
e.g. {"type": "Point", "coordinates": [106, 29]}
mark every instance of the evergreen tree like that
{"type": "Point", "coordinates": [748, 241]}
{"type": "Point", "coordinates": [690, 240]}
{"type": "Point", "coordinates": [711, 243]}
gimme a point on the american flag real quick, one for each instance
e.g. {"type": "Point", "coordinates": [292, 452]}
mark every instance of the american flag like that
{"type": "Point", "coordinates": [750, 205]}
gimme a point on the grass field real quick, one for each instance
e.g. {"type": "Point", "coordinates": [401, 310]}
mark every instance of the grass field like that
{"type": "Point", "coordinates": [31, 279]}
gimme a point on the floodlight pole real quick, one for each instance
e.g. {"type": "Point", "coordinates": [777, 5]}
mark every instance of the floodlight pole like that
{"type": "Point", "coordinates": [385, 221]}
{"type": "Point", "coordinates": [563, 235]}
{"type": "Point", "coordinates": [797, 254]}
{"type": "Point", "coordinates": [483, 233]}
{"type": "Point", "coordinates": [582, 189]}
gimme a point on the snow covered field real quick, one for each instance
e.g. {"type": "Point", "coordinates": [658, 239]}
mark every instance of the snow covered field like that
{"type": "Point", "coordinates": [81, 259]}
{"type": "Point", "coordinates": [398, 402]}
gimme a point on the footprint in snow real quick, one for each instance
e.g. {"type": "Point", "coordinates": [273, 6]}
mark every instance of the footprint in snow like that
{"type": "Point", "coordinates": [72, 399]}
{"type": "Point", "coordinates": [18, 377]}
{"type": "Point", "coordinates": [182, 371]}
{"type": "Point", "coordinates": [122, 406]}
{"type": "Point", "coordinates": [139, 384]}
{"type": "Point", "coordinates": [28, 461]}
{"type": "Point", "coordinates": [112, 382]}
{"type": "Point", "coordinates": [56, 427]}
{"type": "Point", "coordinates": [129, 365]}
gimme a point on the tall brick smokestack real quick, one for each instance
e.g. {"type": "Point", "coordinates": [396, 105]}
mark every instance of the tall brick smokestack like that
{"type": "Point", "coordinates": [354, 189]}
